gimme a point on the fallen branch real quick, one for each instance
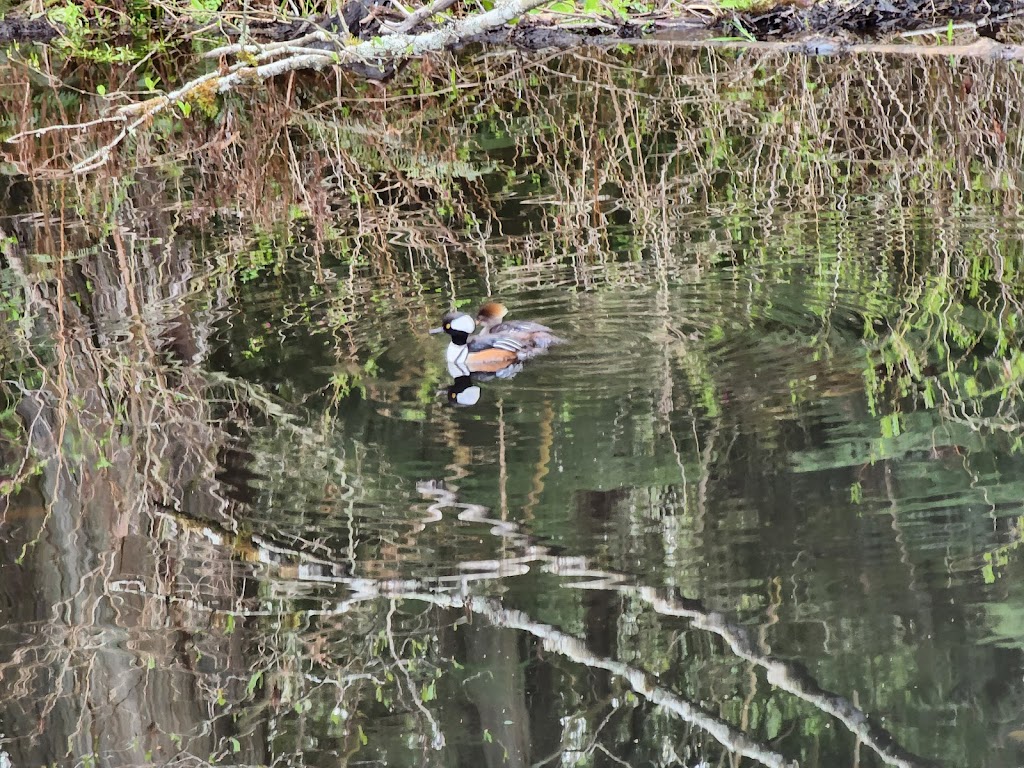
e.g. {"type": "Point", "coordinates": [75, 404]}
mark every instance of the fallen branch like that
{"type": "Point", "coordinates": [975, 24]}
{"type": "Point", "coordinates": [298, 56]}
{"type": "Point", "coordinates": [253, 49]}
{"type": "Point", "coordinates": [38, 133]}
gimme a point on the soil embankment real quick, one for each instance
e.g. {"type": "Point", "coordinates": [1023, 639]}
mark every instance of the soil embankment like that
{"type": "Point", "coordinates": [878, 19]}
{"type": "Point", "coordinates": [845, 21]}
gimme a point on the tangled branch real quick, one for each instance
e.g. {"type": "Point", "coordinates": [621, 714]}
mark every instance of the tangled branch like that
{"type": "Point", "coordinates": [263, 62]}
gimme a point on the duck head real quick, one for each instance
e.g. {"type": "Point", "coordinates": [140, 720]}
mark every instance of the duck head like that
{"type": "Point", "coordinates": [458, 325]}
{"type": "Point", "coordinates": [491, 313]}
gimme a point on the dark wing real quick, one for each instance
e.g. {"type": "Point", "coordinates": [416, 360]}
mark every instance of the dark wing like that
{"type": "Point", "coordinates": [533, 336]}
{"type": "Point", "coordinates": [492, 341]}
{"type": "Point", "coordinates": [519, 326]}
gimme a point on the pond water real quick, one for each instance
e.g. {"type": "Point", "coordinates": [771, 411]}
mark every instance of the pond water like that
{"type": "Point", "coordinates": [763, 508]}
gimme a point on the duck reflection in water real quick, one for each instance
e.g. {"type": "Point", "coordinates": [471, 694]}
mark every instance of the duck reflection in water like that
{"type": "Point", "coordinates": [493, 353]}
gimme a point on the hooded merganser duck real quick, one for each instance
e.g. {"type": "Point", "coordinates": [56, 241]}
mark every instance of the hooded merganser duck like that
{"type": "Point", "coordinates": [491, 315]}
{"type": "Point", "coordinates": [498, 354]}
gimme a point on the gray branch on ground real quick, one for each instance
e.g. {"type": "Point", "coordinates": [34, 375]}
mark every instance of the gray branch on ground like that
{"type": "Point", "coordinates": [292, 56]}
{"type": "Point", "coordinates": [392, 47]}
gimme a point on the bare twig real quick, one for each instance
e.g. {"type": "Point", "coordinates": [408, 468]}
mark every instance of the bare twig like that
{"type": "Point", "coordinates": [422, 14]}
{"type": "Point", "coordinates": [36, 133]}
{"type": "Point", "coordinates": [406, 13]}
{"type": "Point", "coordinates": [321, 35]}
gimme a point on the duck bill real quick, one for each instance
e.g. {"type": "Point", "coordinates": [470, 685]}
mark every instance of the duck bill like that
{"type": "Point", "coordinates": [434, 331]}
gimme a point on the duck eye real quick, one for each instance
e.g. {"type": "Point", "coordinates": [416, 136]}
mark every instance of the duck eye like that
{"type": "Point", "coordinates": [447, 325]}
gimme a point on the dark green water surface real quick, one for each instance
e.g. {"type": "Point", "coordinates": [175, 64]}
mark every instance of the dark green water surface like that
{"type": "Point", "coordinates": [764, 508]}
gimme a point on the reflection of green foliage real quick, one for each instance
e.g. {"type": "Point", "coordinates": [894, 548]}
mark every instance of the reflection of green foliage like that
{"type": "Point", "coordinates": [204, 10]}
{"type": "Point", "coordinates": [70, 17]}
{"type": "Point", "coordinates": [724, 348]}
{"type": "Point", "coordinates": [258, 260]}
{"type": "Point", "coordinates": [345, 384]}
{"type": "Point", "coordinates": [931, 352]}
{"type": "Point", "coordinates": [997, 559]}
{"type": "Point", "coordinates": [1006, 617]}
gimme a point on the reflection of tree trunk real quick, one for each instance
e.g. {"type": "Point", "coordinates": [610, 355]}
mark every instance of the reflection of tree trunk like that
{"type": "Point", "coordinates": [602, 606]}
{"type": "Point", "coordinates": [499, 694]}
{"type": "Point", "coordinates": [600, 622]}
{"type": "Point", "coordinates": [108, 669]}
{"type": "Point", "coordinates": [100, 675]}
{"type": "Point", "coordinates": [545, 681]}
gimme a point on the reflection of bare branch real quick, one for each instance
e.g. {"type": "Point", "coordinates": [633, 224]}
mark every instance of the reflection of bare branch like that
{"type": "Point", "coordinates": [787, 677]}
{"type": "Point", "coordinates": [437, 737]}
{"type": "Point", "coordinates": [422, 14]}
{"type": "Point", "coordinates": [782, 674]}
{"type": "Point", "coordinates": [642, 682]}
{"type": "Point", "coordinates": [449, 590]}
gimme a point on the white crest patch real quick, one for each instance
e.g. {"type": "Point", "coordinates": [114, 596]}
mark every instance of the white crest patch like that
{"type": "Point", "coordinates": [464, 323]}
{"type": "Point", "coordinates": [468, 396]}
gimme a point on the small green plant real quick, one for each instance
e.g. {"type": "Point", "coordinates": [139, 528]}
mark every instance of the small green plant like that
{"type": "Point", "coordinates": [78, 33]}
{"type": "Point", "coordinates": [743, 31]}
{"type": "Point", "coordinates": [70, 17]}
{"type": "Point", "coordinates": [204, 9]}
{"type": "Point", "coordinates": [745, 6]}
{"type": "Point", "coordinates": [601, 8]}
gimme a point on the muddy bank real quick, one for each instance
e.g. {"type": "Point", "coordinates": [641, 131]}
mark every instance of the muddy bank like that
{"type": "Point", "coordinates": [531, 35]}
{"type": "Point", "coordinates": [874, 19]}
{"type": "Point", "coordinates": [15, 30]}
